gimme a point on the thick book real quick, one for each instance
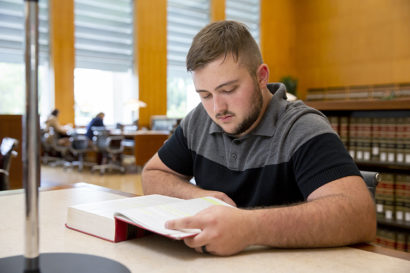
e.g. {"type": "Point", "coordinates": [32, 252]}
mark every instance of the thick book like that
{"type": "Point", "coordinates": [126, 218]}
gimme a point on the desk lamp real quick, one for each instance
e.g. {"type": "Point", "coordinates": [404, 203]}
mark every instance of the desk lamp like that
{"type": "Point", "coordinates": [32, 261]}
{"type": "Point", "coordinates": [135, 105]}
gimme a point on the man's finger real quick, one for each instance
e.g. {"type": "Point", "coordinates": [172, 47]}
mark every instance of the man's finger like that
{"type": "Point", "coordinates": [190, 222]}
{"type": "Point", "coordinates": [196, 241]}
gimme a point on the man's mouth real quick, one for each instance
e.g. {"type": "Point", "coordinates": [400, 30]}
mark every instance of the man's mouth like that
{"type": "Point", "coordinates": [224, 118]}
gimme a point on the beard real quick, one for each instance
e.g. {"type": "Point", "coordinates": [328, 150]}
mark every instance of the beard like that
{"type": "Point", "coordinates": [250, 119]}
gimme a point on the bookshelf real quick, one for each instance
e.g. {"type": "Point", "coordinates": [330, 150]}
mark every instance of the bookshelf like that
{"type": "Point", "coordinates": [360, 124]}
{"type": "Point", "coordinates": [394, 223]}
{"type": "Point", "coordinates": [366, 104]}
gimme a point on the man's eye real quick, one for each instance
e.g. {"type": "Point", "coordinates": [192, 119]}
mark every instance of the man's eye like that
{"type": "Point", "coordinates": [229, 91]}
{"type": "Point", "coordinates": [206, 96]}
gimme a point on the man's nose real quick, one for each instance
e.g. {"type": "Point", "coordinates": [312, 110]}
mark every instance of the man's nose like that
{"type": "Point", "coordinates": [220, 105]}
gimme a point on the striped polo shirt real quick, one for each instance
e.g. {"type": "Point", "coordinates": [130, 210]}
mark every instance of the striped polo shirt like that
{"type": "Point", "coordinates": [292, 152]}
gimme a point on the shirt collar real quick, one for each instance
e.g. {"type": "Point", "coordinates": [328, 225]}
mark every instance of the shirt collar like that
{"type": "Point", "coordinates": [275, 107]}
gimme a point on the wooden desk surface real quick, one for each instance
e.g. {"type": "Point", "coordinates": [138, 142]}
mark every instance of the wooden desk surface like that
{"type": "Point", "coordinates": [158, 254]}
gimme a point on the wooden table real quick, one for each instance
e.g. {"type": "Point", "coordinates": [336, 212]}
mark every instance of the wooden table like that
{"type": "Point", "coordinates": [146, 144]}
{"type": "Point", "coordinates": [158, 254]}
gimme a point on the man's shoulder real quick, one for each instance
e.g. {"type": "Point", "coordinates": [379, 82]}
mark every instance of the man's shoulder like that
{"type": "Point", "coordinates": [299, 114]}
{"type": "Point", "coordinates": [302, 123]}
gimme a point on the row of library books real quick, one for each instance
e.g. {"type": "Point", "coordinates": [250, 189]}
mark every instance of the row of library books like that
{"type": "Point", "coordinates": [378, 140]}
{"type": "Point", "coordinates": [393, 197]}
{"type": "Point", "coordinates": [387, 91]}
{"type": "Point", "coordinates": [394, 239]}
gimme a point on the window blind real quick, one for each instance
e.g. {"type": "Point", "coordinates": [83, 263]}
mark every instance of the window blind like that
{"type": "Point", "coordinates": [12, 31]}
{"type": "Point", "coordinates": [247, 12]}
{"type": "Point", "coordinates": [185, 19]}
{"type": "Point", "coordinates": [104, 34]}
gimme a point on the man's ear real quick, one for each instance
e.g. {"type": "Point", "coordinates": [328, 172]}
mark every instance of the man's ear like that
{"type": "Point", "coordinates": [262, 75]}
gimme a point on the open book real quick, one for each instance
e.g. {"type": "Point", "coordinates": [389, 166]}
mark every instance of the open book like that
{"type": "Point", "coordinates": [122, 219]}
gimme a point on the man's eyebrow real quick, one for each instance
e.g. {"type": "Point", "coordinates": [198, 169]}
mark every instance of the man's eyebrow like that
{"type": "Point", "coordinates": [219, 86]}
{"type": "Point", "coordinates": [226, 83]}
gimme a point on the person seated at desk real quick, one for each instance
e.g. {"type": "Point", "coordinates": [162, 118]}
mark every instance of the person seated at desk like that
{"type": "Point", "coordinates": [247, 145]}
{"type": "Point", "coordinates": [53, 127]}
{"type": "Point", "coordinates": [97, 121]}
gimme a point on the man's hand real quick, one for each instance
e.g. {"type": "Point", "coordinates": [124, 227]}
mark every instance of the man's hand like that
{"type": "Point", "coordinates": [225, 230]}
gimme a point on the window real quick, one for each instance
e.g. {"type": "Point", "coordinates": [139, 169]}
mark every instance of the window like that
{"type": "Point", "coordinates": [247, 12]}
{"type": "Point", "coordinates": [103, 76]}
{"type": "Point", "coordinates": [185, 19]}
{"type": "Point", "coordinates": [12, 79]}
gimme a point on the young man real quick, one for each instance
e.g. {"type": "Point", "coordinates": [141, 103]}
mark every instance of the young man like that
{"type": "Point", "coordinates": [250, 147]}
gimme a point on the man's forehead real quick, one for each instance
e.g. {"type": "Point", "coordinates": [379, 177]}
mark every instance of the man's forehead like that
{"type": "Point", "coordinates": [216, 75]}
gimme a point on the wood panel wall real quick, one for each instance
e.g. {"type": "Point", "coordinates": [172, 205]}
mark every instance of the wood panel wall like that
{"type": "Point", "coordinates": [62, 57]}
{"type": "Point", "coordinates": [277, 30]}
{"type": "Point", "coordinates": [339, 43]}
{"type": "Point", "coordinates": [217, 10]}
{"type": "Point", "coordinates": [11, 126]}
{"type": "Point", "coordinates": [151, 58]}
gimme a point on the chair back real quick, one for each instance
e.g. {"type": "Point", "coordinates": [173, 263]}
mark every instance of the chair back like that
{"type": "Point", "coordinates": [79, 143]}
{"type": "Point", "coordinates": [371, 179]}
{"type": "Point", "coordinates": [7, 151]}
{"type": "Point", "coordinates": [100, 140]}
{"type": "Point", "coordinates": [99, 130]}
{"type": "Point", "coordinates": [7, 147]}
{"type": "Point", "coordinates": [115, 144]}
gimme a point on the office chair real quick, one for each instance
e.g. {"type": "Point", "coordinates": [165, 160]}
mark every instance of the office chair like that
{"type": "Point", "coordinates": [112, 149]}
{"type": "Point", "coordinates": [59, 149]}
{"type": "Point", "coordinates": [7, 152]}
{"type": "Point", "coordinates": [100, 143]}
{"type": "Point", "coordinates": [371, 179]}
{"type": "Point", "coordinates": [79, 146]}
{"type": "Point", "coordinates": [48, 154]}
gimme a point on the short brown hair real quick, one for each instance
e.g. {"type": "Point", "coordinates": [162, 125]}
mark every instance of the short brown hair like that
{"type": "Point", "coordinates": [220, 39]}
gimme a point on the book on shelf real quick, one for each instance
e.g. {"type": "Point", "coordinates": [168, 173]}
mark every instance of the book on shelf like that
{"type": "Point", "coordinates": [315, 94]}
{"type": "Point", "coordinates": [334, 122]}
{"type": "Point", "coordinates": [361, 92]}
{"type": "Point", "coordinates": [393, 239]}
{"type": "Point", "coordinates": [377, 140]}
{"type": "Point", "coordinates": [401, 199]}
{"type": "Point", "coordinates": [344, 130]}
{"type": "Point", "coordinates": [126, 218]}
{"type": "Point", "coordinates": [385, 196]}
{"type": "Point", "coordinates": [353, 129]}
{"type": "Point", "coordinates": [393, 197]}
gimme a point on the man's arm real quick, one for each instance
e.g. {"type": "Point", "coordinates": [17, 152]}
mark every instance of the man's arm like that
{"type": "Point", "coordinates": [338, 213]}
{"type": "Point", "coordinates": [158, 178]}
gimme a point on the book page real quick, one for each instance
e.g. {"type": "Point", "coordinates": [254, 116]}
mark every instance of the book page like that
{"type": "Point", "coordinates": [153, 218]}
{"type": "Point", "coordinates": [109, 207]}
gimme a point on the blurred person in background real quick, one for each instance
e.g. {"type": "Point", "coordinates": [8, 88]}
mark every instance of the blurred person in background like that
{"type": "Point", "coordinates": [54, 128]}
{"type": "Point", "coordinates": [97, 121]}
